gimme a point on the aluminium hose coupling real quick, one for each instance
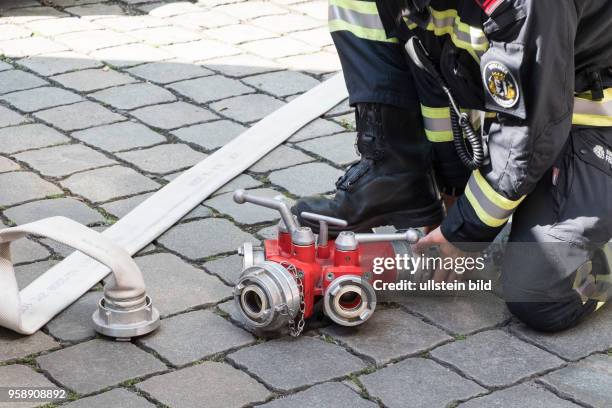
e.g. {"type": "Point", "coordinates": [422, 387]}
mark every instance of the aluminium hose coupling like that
{"type": "Point", "coordinates": [116, 320]}
{"type": "Point", "coordinates": [349, 300]}
{"type": "Point", "coordinates": [267, 296]}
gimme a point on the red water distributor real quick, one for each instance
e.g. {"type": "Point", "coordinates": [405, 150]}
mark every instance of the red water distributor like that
{"type": "Point", "coordinates": [281, 282]}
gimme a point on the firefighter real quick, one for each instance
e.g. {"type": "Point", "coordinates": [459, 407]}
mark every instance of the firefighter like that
{"type": "Point", "coordinates": [542, 71]}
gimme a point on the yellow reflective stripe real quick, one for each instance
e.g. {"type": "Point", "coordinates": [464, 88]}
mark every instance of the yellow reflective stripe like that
{"type": "Point", "coordinates": [481, 213]}
{"type": "Point", "coordinates": [439, 136]}
{"type": "Point", "coordinates": [591, 120]}
{"type": "Point", "coordinates": [372, 34]}
{"type": "Point", "coordinates": [447, 22]}
{"type": "Point", "coordinates": [435, 113]}
{"type": "Point", "coordinates": [364, 7]}
{"type": "Point", "coordinates": [493, 195]}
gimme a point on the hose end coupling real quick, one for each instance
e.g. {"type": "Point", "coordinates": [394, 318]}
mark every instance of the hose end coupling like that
{"type": "Point", "coordinates": [349, 300]}
{"type": "Point", "coordinates": [122, 320]}
{"type": "Point", "coordinates": [267, 296]}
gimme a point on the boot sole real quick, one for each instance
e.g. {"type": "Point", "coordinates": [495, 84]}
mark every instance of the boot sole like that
{"type": "Point", "coordinates": [421, 217]}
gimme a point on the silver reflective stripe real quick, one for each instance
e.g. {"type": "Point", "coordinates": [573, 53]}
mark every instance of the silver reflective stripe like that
{"type": "Point", "coordinates": [355, 18]}
{"type": "Point", "coordinates": [489, 207]}
{"type": "Point", "coordinates": [586, 107]}
{"type": "Point", "coordinates": [437, 125]}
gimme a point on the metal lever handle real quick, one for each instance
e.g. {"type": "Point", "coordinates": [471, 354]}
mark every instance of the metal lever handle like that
{"type": "Point", "coordinates": [412, 236]}
{"type": "Point", "coordinates": [241, 197]}
{"type": "Point", "coordinates": [324, 221]}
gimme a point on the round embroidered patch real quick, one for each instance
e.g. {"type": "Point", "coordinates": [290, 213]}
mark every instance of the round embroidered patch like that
{"type": "Point", "coordinates": [501, 84]}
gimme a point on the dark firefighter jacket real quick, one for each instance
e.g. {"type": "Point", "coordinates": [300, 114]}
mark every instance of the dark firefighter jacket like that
{"type": "Point", "coordinates": [536, 66]}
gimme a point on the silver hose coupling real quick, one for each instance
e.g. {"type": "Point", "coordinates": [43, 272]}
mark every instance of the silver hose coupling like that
{"type": "Point", "coordinates": [349, 300]}
{"type": "Point", "coordinates": [267, 296]}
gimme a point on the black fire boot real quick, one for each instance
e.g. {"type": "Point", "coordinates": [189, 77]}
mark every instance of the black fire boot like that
{"type": "Point", "coordinates": [392, 183]}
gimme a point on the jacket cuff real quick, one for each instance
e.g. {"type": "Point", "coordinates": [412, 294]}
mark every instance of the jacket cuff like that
{"type": "Point", "coordinates": [480, 214]}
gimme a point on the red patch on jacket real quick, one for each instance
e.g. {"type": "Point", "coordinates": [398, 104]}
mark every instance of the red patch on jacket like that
{"type": "Point", "coordinates": [489, 6]}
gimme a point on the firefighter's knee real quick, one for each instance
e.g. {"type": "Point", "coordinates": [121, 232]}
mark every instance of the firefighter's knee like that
{"type": "Point", "coordinates": [551, 316]}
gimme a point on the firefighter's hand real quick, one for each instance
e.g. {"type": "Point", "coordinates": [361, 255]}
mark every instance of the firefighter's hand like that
{"type": "Point", "coordinates": [447, 250]}
{"type": "Point", "coordinates": [449, 201]}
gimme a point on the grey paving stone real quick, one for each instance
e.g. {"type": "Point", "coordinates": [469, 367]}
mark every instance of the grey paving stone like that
{"type": "Point", "coordinates": [64, 160]}
{"type": "Point", "coordinates": [281, 157]}
{"type": "Point", "coordinates": [417, 382]}
{"type": "Point", "coordinates": [190, 287]}
{"type": "Point", "coordinates": [23, 376]}
{"type": "Point", "coordinates": [220, 385]}
{"type": "Point", "coordinates": [23, 186]}
{"type": "Point", "coordinates": [13, 31]}
{"type": "Point", "coordinates": [593, 334]}
{"type": "Point", "coordinates": [200, 50]}
{"type": "Point", "coordinates": [519, 396]}
{"type": "Point", "coordinates": [169, 71]}
{"type": "Point", "coordinates": [173, 115]}
{"type": "Point", "coordinates": [314, 9]}
{"type": "Point", "coordinates": [4, 66]}
{"type": "Point", "coordinates": [339, 148]}
{"type": "Point", "coordinates": [316, 128]}
{"type": "Point", "coordinates": [495, 359]}
{"type": "Point", "coordinates": [239, 33]}
{"type": "Point", "coordinates": [278, 47]}
{"type": "Point", "coordinates": [10, 118]}
{"type": "Point", "coordinates": [287, 23]}
{"type": "Point", "coordinates": [390, 334]}
{"type": "Point", "coordinates": [24, 47]}
{"type": "Point", "coordinates": [242, 65]}
{"type": "Point", "coordinates": [282, 83]}
{"type": "Point", "coordinates": [109, 182]}
{"type": "Point", "coordinates": [117, 397]}
{"type": "Point", "coordinates": [227, 268]}
{"type": "Point", "coordinates": [243, 181]}
{"type": "Point", "coordinates": [67, 207]}
{"type": "Point", "coordinates": [270, 232]}
{"type": "Point", "coordinates": [165, 35]}
{"type": "Point", "coordinates": [26, 250]}
{"type": "Point", "coordinates": [78, 116]}
{"type": "Point", "coordinates": [131, 54]}
{"type": "Point", "coordinates": [588, 381]}
{"type": "Point", "coordinates": [120, 208]}
{"type": "Point", "coordinates": [31, 136]}
{"type": "Point", "coordinates": [27, 273]}
{"type": "Point", "coordinates": [88, 41]}
{"type": "Point", "coordinates": [168, 9]}
{"type": "Point", "coordinates": [57, 26]}
{"type": "Point", "coordinates": [286, 364]}
{"type": "Point", "coordinates": [307, 179]}
{"type": "Point", "coordinates": [247, 108]}
{"type": "Point", "coordinates": [329, 395]}
{"type": "Point", "coordinates": [92, 79]}
{"type": "Point", "coordinates": [119, 136]}
{"type": "Point", "coordinates": [97, 10]}
{"type": "Point", "coordinates": [194, 336]}
{"type": "Point", "coordinates": [210, 88]}
{"type": "Point", "coordinates": [164, 158]}
{"type": "Point", "coordinates": [40, 98]}
{"type": "Point", "coordinates": [230, 310]}
{"type": "Point", "coordinates": [316, 63]}
{"type": "Point", "coordinates": [131, 22]}
{"type": "Point", "coordinates": [58, 62]}
{"type": "Point", "coordinates": [97, 364]}
{"type": "Point", "coordinates": [201, 239]}
{"type": "Point", "coordinates": [317, 37]}
{"type": "Point", "coordinates": [14, 346]}
{"type": "Point", "coordinates": [133, 96]}
{"type": "Point", "coordinates": [245, 213]}
{"type": "Point", "coordinates": [210, 135]}
{"type": "Point", "coordinates": [202, 19]}
{"type": "Point", "coordinates": [8, 165]}
{"type": "Point", "coordinates": [199, 212]}
{"type": "Point", "coordinates": [460, 315]}
{"type": "Point", "coordinates": [74, 324]}
{"type": "Point", "coordinates": [25, 14]}
{"type": "Point", "coordinates": [251, 9]}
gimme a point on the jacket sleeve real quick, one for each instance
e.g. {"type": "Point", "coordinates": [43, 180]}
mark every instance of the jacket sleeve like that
{"type": "Point", "coordinates": [528, 78]}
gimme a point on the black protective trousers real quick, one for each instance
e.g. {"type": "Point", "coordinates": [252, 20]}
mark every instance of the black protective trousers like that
{"type": "Point", "coordinates": [561, 226]}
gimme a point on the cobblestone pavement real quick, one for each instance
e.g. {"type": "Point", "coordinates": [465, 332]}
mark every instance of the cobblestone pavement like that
{"type": "Point", "coordinates": [101, 103]}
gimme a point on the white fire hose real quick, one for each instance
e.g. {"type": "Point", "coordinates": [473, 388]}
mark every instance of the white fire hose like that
{"type": "Point", "coordinates": [27, 311]}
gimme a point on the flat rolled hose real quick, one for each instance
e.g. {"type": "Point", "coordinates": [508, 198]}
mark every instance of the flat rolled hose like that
{"type": "Point", "coordinates": [461, 126]}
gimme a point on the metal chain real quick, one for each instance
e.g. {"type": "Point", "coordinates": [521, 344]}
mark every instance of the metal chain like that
{"type": "Point", "coordinates": [296, 325]}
